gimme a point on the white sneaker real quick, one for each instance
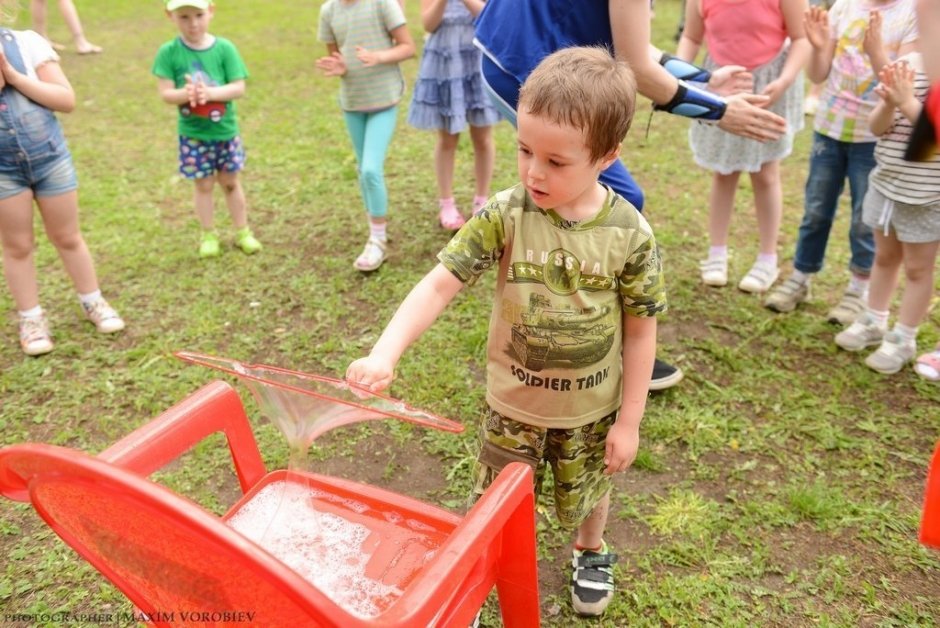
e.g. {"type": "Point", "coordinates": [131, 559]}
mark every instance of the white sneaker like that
{"type": "Point", "coordinates": [714, 272]}
{"type": "Point", "coordinates": [848, 308]}
{"type": "Point", "coordinates": [759, 278]}
{"type": "Point", "coordinates": [104, 317]}
{"type": "Point", "coordinates": [892, 355]}
{"type": "Point", "coordinates": [864, 332]}
{"type": "Point", "coordinates": [35, 338]}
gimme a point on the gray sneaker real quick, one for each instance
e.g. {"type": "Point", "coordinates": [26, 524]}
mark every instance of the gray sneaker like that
{"type": "Point", "coordinates": [787, 295]}
{"type": "Point", "coordinates": [892, 355]}
{"type": "Point", "coordinates": [864, 332]}
{"type": "Point", "coordinates": [848, 309]}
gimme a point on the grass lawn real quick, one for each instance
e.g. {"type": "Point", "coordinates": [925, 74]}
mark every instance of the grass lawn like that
{"type": "Point", "coordinates": [780, 484]}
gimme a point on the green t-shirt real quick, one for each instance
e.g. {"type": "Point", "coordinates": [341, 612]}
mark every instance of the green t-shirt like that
{"type": "Point", "coordinates": [219, 64]}
{"type": "Point", "coordinates": [555, 337]}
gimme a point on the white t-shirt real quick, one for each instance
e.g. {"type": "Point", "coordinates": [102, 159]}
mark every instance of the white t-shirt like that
{"type": "Point", "coordinates": [35, 50]}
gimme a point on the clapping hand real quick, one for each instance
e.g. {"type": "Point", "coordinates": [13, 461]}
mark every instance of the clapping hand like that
{"type": "Point", "coordinates": [196, 91]}
{"type": "Point", "coordinates": [873, 43]}
{"type": "Point", "coordinates": [333, 65]}
{"type": "Point", "coordinates": [368, 57]}
{"type": "Point", "coordinates": [816, 25]}
{"type": "Point", "coordinates": [896, 83]}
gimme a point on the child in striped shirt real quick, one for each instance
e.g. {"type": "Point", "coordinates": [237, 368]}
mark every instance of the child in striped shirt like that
{"type": "Point", "coordinates": [902, 207]}
{"type": "Point", "coordinates": [366, 40]}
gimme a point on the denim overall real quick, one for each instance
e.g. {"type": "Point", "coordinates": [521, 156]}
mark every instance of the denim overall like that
{"type": "Point", "coordinates": [31, 141]}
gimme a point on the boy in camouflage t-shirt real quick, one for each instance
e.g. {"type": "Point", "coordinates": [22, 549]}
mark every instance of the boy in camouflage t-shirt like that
{"type": "Point", "coordinates": [572, 335]}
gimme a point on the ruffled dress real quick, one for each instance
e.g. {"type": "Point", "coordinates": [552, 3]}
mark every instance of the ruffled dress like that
{"type": "Point", "coordinates": [723, 152]}
{"type": "Point", "coordinates": [449, 91]}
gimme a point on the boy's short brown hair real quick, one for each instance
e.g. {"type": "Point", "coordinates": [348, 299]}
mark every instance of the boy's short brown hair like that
{"type": "Point", "coordinates": [586, 88]}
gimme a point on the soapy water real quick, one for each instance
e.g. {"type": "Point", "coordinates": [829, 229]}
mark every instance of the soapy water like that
{"type": "Point", "coordinates": [327, 550]}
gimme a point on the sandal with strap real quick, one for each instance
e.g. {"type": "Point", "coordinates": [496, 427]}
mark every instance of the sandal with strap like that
{"type": "Point", "coordinates": [928, 366]}
{"type": "Point", "coordinates": [372, 256]}
{"type": "Point", "coordinates": [451, 218]}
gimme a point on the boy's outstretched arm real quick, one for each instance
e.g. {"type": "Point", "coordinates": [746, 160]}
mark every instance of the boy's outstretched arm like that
{"type": "Point", "coordinates": [420, 308]}
{"type": "Point", "coordinates": [639, 352]}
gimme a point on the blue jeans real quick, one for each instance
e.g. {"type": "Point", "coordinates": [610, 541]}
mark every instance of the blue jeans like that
{"type": "Point", "coordinates": [371, 132]}
{"type": "Point", "coordinates": [503, 90]}
{"type": "Point", "coordinates": [830, 162]}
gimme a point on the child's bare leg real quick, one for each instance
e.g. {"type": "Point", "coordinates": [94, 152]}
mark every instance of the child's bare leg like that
{"type": "Point", "coordinates": [884, 271]}
{"type": "Point", "coordinates": [919, 260]}
{"type": "Point", "coordinates": [768, 204]}
{"type": "Point", "coordinates": [484, 158]}
{"type": "Point", "coordinates": [16, 236]}
{"type": "Point", "coordinates": [203, 201]}
{"type": "Point", "coordinates": [38, 10]}
{"type": "Point", "coordinates": [721, 207]}
{"type": "Point", "coordinates": [70, 15]}
{"type": "Point", "coordinates": [445, 154]}
{"type": "Point", "coordinates": [591, 531]}
{"type": "Point", "coordinates": [60, 220]}
{"type": "Point", "coordinates": [234, 198]}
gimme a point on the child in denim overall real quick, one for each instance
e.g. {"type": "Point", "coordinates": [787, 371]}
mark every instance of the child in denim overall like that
{"type": "Point", "coordinates": [35, 164]}
{"type": "Point", "coordinates": [203, 75]}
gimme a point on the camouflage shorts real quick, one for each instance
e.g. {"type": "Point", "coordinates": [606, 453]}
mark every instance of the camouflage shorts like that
{"type": "Point", "coordinates": [576, 457]}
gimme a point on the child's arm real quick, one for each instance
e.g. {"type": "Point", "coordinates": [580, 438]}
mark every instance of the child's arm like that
{"type": "Point", "coordinates": [692, 32]}
{"type": "Point", "coordinates": [639, 352]}
{"type": "Point", "coordinates": [816, 25]}
{"type": "Point", "coordinates": [404, 48]}
{"type": "Point", "coordinates": [474, 6]}
{"type": "Point", "coordinates": [432, 12]}
{"type": "Point", "coordinates": [800, 49]}
{"type": "Point", "coordinates": [896, 89]}
{"type": "Point", "coordinates": [50, 88]}
{"type": "Point", "coordinates": [420, 308]}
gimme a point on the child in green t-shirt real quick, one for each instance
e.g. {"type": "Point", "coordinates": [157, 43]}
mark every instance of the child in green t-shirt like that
{"type": "Point", "coordinates": [203, 75]}
{"type": "Point", "coordinates": [572, 335]}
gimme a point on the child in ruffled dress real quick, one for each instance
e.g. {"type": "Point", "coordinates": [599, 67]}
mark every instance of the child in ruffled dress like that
{"type": "Point", "coordinates": [449, 97]}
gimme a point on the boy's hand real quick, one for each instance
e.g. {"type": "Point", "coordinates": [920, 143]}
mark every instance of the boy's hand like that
{"type": "Point", "coordinates": [195, 91]}
{"type": "Point", "coordinates": [333, 65]}
{"type": "Point", "coordinates": [872, 43]}
{"type": "Point", "coordinates": [368, 57]}
{"type": "Point", "coordinates": [816, 25]}
{"type": "Point", "coordinates": [371, 372]}
{"type": "Point", "coordinates": [623, 441]}
{"type": "Point", "coordinates": [731, 79]}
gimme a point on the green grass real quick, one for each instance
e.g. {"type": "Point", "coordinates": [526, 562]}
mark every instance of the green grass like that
{"type": "Point", "coordinates": [779, 484]}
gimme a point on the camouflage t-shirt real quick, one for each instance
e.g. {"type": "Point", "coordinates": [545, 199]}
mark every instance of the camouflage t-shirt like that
{"type": "Point", "coordinates": [554, 349]}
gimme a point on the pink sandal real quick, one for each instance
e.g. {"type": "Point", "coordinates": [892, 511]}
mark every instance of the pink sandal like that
{"type": "Point", "coordinates": [451, 218]}
{"type": "Point", "coordinates": [928, 365]}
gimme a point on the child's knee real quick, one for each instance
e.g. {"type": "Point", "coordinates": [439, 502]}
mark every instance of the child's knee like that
{"type": "Point", "coordinates": [372, 178]}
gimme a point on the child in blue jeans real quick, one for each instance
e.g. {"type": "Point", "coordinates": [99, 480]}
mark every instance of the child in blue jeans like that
{"type": "Point", "coordinates": [36, 165]}
{"type": "Point", "coordinates": [851, 43]}
{"type": "Point", "coordinates": [203, 75]}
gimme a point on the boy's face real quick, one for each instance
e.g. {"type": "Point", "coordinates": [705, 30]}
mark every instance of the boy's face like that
{"type": "Point", "coordinates": [192, 22]}
{"type": "Point", "coordinates": [556, 168]}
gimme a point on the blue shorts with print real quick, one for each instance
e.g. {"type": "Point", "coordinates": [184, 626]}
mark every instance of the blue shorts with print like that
{"type": "Point", "coordinates": [205, 158]}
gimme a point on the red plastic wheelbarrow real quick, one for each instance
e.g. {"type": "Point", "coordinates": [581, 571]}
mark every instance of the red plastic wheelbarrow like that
{"type": "Point", "coordinates": [402, 562]}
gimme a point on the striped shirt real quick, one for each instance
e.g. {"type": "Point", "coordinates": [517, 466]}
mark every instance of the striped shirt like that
{"type": "Point", "coordinates": [366, 23]}
{"type": "Point", "coordinates": [908, 182]}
